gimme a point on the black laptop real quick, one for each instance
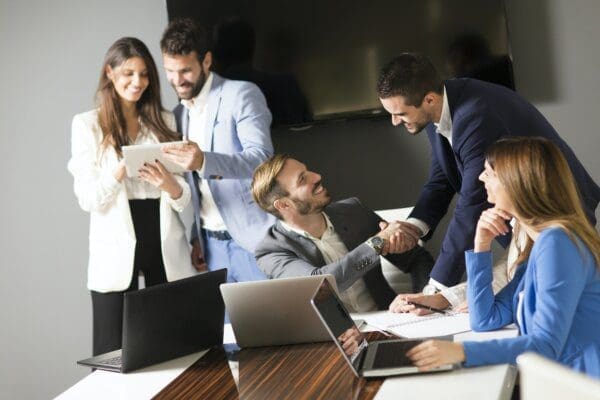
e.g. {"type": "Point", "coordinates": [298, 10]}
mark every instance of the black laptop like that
{"type": "Point", "coordinates": [167, 321]}
{"type": "Point", "coordinates": [366, 359]}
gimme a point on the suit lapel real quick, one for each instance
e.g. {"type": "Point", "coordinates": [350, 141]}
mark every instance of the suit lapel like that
{"type": "Point", "coordinates": [212, 107]}
{"type": "Point", "coordinates": [310, 250]}
{"type": "Point", "coordinates": [445, 156]}
{"type": "Point", "coordinates": [342, 229]}
{"type": "Point", "coordinates": [178, 112]}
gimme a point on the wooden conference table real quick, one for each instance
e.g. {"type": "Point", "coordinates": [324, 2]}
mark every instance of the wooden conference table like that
{"type": "Point", "coordinates": [318, 371]}
{"type": "Point", "coordinates": [305, 371]}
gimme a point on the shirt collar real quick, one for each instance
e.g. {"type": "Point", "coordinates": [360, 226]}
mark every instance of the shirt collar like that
{"type": "Point", "coordinates": [444, 127]}
{"type": "Point", "coordinates": [301, 232]}
{"type": "Point", "coordinates": [198, 103]}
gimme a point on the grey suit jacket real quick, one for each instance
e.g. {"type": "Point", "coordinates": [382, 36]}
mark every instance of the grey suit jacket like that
{"type": "Point", "coordinates": [284, 254]}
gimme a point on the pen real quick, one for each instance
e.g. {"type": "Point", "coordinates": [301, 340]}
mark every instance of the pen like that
{"type": "Point", "coordinates": [437, 310]}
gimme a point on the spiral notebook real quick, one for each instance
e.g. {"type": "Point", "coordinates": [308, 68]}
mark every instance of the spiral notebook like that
{"type": "Point", "coordinates": [414, 326]}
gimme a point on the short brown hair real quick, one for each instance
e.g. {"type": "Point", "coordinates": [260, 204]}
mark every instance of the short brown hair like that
{"type": "Point", "coordinates": [411, 76]}
{"type": "Point", "coordinates": [183, 36]}
{"type": "Point", "coordinates": [265, 188]}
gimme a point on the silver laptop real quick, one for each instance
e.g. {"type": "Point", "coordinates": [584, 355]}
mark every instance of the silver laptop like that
{"type": "Point", "coordinates": [366, 359]}
{"type": "Point", "coordinates": [275, 312]}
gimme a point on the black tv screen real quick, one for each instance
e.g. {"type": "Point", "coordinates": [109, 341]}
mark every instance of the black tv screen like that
{"type": "Point", "coordinates": [319, 60]}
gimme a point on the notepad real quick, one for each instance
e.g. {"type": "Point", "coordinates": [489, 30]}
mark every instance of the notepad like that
{"type": "Point", "coordinates": [135, 156]}
{"type": "Point", "coordinates": [413, 326]}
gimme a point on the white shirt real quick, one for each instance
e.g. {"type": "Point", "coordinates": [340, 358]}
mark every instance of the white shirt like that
{"type": "Point", "coordinates": [136, 188]}
{"type": "Point", "coordinates": [209, 212]}
{"type": "Point", "coordinates": [357, 297]}
{"type": "Point", "coordinates": [444, 126]}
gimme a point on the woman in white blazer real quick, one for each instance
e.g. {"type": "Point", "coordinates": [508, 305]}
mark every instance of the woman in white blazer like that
{"type": "Point", "coordinates": [134, 224]}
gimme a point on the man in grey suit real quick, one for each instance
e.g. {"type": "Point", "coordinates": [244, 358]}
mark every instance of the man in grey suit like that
{"type": "Point", "coordinates": [314, 236]}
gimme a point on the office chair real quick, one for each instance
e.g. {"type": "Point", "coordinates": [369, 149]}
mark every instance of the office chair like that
{"type": "Point", "coordinates": [543, 379]}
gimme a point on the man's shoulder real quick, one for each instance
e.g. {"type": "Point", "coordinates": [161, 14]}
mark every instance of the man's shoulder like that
{"type": "Point", "coordinates": [476, 95]}
{"type": "Point", "coordinates": [231, 86]}
{"type": "Point", "coordinates": [276, 238]}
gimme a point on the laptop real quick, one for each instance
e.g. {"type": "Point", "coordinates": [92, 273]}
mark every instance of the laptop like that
{"type": "Point", "coordinates": [366, 359]}
{"type": "Point", "coordinates": [275, 312]}
{"type": "Point", "coordinates": [167, 321]}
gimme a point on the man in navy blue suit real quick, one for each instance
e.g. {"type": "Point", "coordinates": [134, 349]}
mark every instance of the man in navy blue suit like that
{"type": "Point", "coordinates": [462, 117]}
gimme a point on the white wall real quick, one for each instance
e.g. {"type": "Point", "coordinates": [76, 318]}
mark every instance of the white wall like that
{"type": "Point", "coordinates": [557, 65]}
{"type": "Point", "coordinates": [51, 55]}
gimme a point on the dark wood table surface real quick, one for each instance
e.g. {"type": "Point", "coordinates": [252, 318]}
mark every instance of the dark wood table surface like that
{"type": "Point", "coordinates": [305, 371]}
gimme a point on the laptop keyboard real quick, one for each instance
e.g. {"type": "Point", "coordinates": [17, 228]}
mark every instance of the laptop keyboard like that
{"type": "Point", "coordinates": [115, 361]}
{"type": "Point", "coordinates": [393, 354]}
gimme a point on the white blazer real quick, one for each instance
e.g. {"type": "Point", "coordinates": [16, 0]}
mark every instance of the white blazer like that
{"type": "Point", "coordinates": [112, 236]}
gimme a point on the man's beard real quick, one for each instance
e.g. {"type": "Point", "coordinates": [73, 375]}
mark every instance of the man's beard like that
{"type": "Point", "coordinates": [419, 128]}
{"type": "Point", "coordinates": [196, 88]}
{"type": "Point", "coordinates": [306, 207]}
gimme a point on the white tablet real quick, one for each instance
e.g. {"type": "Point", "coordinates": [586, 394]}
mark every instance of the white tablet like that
{"type": "Point", "coordinates": [135, 157]}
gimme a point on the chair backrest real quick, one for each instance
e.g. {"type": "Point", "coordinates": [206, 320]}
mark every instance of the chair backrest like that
{"type": "Point", "coordinates": [543, 379]}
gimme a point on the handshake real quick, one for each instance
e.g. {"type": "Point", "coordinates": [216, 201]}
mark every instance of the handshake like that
{"type": "Point", "coordinates": [398, 236]}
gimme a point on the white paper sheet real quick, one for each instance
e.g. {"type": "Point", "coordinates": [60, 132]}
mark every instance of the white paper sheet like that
{"type": "Point", "coordinates": [413, 326]}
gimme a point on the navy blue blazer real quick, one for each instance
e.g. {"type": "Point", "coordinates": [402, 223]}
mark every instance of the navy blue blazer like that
{"type": "Point", "coordinates": [481, 114]}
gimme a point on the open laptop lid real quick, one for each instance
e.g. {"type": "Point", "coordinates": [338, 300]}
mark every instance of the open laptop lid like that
{"type": "Point", "coordinates": [275, 312]}
{"type": "Point", "coordinates": [173, 319]}
{"type": "Point", "coordinates": [340, 325]}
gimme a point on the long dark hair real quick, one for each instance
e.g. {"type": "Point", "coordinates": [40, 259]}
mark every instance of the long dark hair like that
{"type": "Point", "coordinates": [148, 107]}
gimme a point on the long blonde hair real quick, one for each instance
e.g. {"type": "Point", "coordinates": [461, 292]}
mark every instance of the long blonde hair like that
{"type": "Point", "coordinates": [540, 184]}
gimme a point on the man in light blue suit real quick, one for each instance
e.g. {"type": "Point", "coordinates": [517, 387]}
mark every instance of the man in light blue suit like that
{"type": "Point", "coordinates": [227, 125]}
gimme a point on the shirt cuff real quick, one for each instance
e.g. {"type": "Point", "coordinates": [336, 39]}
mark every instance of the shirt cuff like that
{"type": "Point", "coordinates": [455, 295]}
{"type": "Point", "coordinates": [419, 224]}
{"type": "Point", "coordinates": [437, 285]}
{"type": "Point", "coordinates": [203, 167]}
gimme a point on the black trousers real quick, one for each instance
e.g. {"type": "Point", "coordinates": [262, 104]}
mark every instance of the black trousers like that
{"type": "Point", "coordinates": [107, 308]}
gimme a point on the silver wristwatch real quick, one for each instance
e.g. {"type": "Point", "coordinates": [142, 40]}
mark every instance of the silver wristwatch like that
{"type": "Point", "coordinates": [376, 243]}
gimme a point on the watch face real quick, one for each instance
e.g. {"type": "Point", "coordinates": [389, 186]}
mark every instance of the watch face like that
{"type": "Point", "coordinates": [377, 241]}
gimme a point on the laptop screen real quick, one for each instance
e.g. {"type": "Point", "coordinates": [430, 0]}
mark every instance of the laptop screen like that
{"type": "Point", "coordinates": [340, 325]}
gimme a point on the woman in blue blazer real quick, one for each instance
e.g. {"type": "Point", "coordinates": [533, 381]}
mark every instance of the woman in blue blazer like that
{"type": "Point", "coordinates": [555, 296]}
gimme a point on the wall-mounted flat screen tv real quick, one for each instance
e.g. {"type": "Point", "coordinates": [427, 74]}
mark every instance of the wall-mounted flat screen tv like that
{"type": "Point", "coordinates": [318, 60]}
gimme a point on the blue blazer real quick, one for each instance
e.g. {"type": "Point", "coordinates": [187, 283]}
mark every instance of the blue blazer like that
{"type": "Point", "coordinates": [560, 312]}
{"type": "Point", "coordinates": [481, 114]}
{"type": "Point", "coordinates": [239, 122]}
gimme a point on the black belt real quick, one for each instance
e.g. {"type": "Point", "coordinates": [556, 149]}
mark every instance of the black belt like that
{"type": "Point", "coordinates": [219, 235]}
